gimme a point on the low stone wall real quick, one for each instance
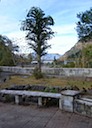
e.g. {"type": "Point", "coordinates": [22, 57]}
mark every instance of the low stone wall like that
{"type": "Point", "coordinates": [83, 107]}
{"type": "Point", "coordinates": [17, 70]}
{"type": "Point", "coordinates": [61, 72]}
{"type": "Point", "coordinates": [69, 72]}
{"type": "Point", "coordinates": [75, 101]}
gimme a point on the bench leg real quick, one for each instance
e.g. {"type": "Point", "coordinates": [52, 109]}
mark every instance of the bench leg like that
{"type": "Point", "coordinates": [60, 103]}
{"type": "Point", "coordinates": [17, 99]}
{"type": "Point", "coordinates": [40, 101]}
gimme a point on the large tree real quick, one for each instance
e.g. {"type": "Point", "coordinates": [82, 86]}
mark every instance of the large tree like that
{"type": "Point", "coordinates": [39, 31]}
{"type": "Point", "coordinates": [84, 25]}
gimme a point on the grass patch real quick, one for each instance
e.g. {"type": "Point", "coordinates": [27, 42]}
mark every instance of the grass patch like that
{"type": "Point", "coordinates": [62, 82]}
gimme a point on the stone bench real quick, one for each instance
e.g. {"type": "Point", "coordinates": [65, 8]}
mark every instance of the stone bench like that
{"type": "Point", "coordinates": [18, 95]}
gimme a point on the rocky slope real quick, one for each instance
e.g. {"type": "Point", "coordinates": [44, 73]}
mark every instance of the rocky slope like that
{"type": "Point", "coordinates": [77, 47]}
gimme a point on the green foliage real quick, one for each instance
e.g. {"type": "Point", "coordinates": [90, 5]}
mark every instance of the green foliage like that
{"type": "Point", "coordinates": [37, 74]}
{"type": "Point", "coordinates": [7, 49]}
{"type": "Point", "coordinates": [51, 89]}
{"type": "Point", "coordinates": [37, 26]}
{"type": "Point", "coordinates": [84, 25]}
{"type": "Point", "coordinates": [5, 56]}
{"type": "Point", "coordinates": [87, 51]}
{"type": "Point", "coordinates": [69, 65]}
{"type": "Point", "coordinates": [7, 42]}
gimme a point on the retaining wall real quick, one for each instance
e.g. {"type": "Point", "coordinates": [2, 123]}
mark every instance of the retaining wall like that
{"type": "Point", "coordinates": [61, 72]}
{"type": "Point", "coordinates": [17, 70]}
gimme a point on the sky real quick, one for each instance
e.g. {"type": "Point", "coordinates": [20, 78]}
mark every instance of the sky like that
{"type": "Point", "coordinates": [64, 13]}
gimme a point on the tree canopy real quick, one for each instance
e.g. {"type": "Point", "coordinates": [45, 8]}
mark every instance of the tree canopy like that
{"type": "Point", "coordinates": [84, 25]}
{"type": "Point", "coordinates": [39, 31]}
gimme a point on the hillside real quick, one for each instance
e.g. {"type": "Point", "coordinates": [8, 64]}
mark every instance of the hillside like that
{"type": "Point", "coordinates": [75, 49]}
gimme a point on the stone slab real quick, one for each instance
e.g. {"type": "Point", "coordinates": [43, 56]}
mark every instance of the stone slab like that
{"type": "Point", "coordinates": [31, 93]}
{"type": "Point", "coordinates": [70, 93]}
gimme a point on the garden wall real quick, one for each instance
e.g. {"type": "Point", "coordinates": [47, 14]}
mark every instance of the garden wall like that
{"type": "Point", "coordinates": [61, 72]}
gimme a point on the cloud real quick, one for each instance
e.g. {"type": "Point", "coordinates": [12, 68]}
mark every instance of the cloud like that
{"type": "Point", "coordinates": [18, 37]}
{"type": "Point", "coordinates": [64, 29]}
{"type": "Point", "coordinates": [16, 34]}
{"type": "Point", "coordinates": [64, 39]}
{"type": "Point", "coordinates": [61, 44]}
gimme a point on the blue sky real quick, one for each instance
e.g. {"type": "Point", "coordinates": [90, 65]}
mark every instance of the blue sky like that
{"type": "Point", "coordinates": [64, 12]}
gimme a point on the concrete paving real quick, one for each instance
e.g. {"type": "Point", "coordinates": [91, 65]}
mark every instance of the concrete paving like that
{"type": "Point", "coordinates": [19, 116]}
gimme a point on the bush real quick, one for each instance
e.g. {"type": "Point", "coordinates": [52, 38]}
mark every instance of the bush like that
{"type": "Point", "coordinates": [51, 89]}
{"type": "Point", "coordinates": [37, 74]}
{"type": "Point", "coordinates": [69, 65]}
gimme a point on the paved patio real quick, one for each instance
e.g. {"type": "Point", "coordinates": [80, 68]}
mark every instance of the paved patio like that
{"type": "Point", "coordinates": [14, 116]}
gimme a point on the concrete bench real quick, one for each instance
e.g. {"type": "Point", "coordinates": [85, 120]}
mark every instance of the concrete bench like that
{"type": "Point", "coordinates": [18, 95]}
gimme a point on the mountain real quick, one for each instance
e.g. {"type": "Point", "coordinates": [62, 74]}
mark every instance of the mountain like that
{"type": "Point", "coordinates": [74, 50]}
{"type": "Point", "coordinates": [49, 56]}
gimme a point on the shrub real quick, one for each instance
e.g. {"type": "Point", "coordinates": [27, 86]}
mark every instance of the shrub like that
{"type": "Point", "coordinates": [51, 89]}
{"type": "Point", "coordinates": [37, 74]}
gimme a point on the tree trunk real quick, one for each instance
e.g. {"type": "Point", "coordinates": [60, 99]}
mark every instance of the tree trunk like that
{"type": "Point", "coordinates": [39, 63]}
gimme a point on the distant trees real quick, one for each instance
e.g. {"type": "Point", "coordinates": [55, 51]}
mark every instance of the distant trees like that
{"type": "Point", "coordinates": [38, 30]}
{"type": "Point", "coordinates": [23, 59]}
{"type": "Point", "coordinates": [84, 30]}
{"type": "Point", "coordinates": [7, 51]}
